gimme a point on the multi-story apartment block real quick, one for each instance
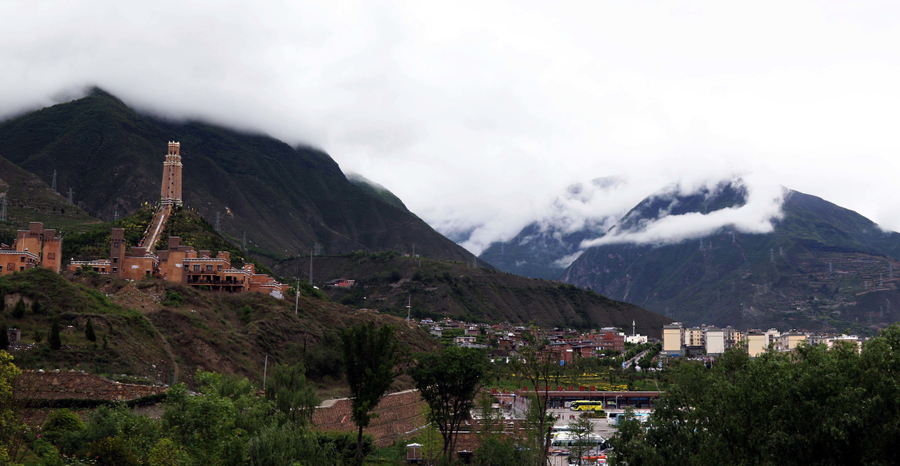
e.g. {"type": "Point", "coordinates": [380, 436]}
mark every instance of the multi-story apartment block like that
{"type": "Point", "coordinates": [34, 247]}
{"type": "Point", "coordinates": [673, 337]}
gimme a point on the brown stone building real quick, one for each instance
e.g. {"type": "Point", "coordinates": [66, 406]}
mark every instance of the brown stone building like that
{"type": "Point", "coordinates": [170, 192]}
{"type": "Point", "coordinates": [179, 263]}
{"type": "Point", "coordinates": [34, 247]}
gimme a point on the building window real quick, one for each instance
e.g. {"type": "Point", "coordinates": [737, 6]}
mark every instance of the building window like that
{"type": "Point", "coordinates": [209, 268]}
{"type": "Point", "coordinates": [220, 266]}
{"type": "Point", "coordinates": [22, 259]}
{"type": "Point", "coordinates": [196, 268]}
{"type": "Point", "coordinates": [115, 260]}
{"type": "Point", "coordinates": [115, 269]}
{"type": "Point", "coordinates": [11, 267]}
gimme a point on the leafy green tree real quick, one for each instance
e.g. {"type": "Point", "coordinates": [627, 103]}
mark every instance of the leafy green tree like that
{"type": "Point", "coordinates": [369, 359]}
{"type": "Point", "coordinates": [812, 406]}
{"type": "Point", "coordinates": [540, 371]}
{"type": "Point", "coordinates": [292, 395]}
{"type": "Point", "coordinates": [36, 307]}
{"type": "Point", "coordinates": [54, 340]}
{"type": "Point", "coordinates": [89, 331]}
{"type": "Point", "coordinates": [10, 426]}
{"type": "Point", "coordinates": [167, 453]}
{"type": "Point", "coordinates": [583, 432]}
{"type": "Point", "coordinates": [448, 381]}
{"type": "Point", "coordinates": [111, 450]}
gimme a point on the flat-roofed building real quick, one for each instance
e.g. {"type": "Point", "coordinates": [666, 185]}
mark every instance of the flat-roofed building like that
{"type": "Point", "coordinates": [715, 340]}
{"type": "Point", "coordinates": [756, 344]}
{"type": "Point", "coordinates": [673, 336]}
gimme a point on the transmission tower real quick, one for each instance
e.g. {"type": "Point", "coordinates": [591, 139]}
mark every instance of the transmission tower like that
{"type": "Point", "coordinates": [3, 209]}
{"type": "Point", "coordinates": [116, 215]}
{"type": "Point", "coordinates": [244, 244]}
{"type": "Point", "coordinates": [53, 184]}
{"type": "Point", "coordinates": [69, 201]}
{"type": "Point", "coordinates": [218, 221]}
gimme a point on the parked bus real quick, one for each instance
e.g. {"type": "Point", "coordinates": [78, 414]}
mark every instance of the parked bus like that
{"type": "Point", "coordinates": [613, 417]}
{"type": "Point", "coordinates": [587, 405]}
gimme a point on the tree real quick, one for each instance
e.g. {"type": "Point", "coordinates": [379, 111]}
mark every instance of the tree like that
{"type": "Point", "coordinates": [583, 433]}
{"type": "Point", "coordinates": [290, 392]}
{"type": "Point", "coordinates": [369, 359]}
{"type": "Point", "coordinates": [89, 331]}
{"type": "Point", "coordinates": [537, 367]}
{"type": "Point", "coordinates": [54, 340]}
{"type": "Point", "coordinates": [448, 382]}
{"type": "Point", "coordinates": [4, 336]}
{"type": "Point", "coordinates": [10, 426]}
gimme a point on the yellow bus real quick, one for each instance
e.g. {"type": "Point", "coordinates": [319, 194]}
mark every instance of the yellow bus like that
{"type": "Point", "coordinates": [587, 405]}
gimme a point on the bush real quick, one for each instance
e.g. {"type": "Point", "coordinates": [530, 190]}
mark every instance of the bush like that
{"type": "Point", "coordinates": [110, 450]}
{"type": "Point", "coordinates": [54, 340]}
{"type": "Point", "coordinates": [19, 310]}
{"type": "Point", "coordinates": [167, 453]}
{"type": "Point", "coordinates": [89, 331]}
{"type": "Point", "coordinates": [174, 299]}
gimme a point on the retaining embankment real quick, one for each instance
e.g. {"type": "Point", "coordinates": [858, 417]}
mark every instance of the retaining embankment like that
{"type": "Point", "coordinates": [33, 385]}
{"type": "Point", "coordinates": [398, 414]}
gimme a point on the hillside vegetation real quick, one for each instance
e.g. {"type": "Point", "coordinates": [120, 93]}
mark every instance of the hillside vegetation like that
{"type": "Point", "coordinates": [438, 289]}
{"type": "Point", "coordinates": [159, 331]}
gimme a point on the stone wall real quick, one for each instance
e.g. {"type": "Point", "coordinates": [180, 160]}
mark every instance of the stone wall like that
{"type": "Point", "coordinates": [32, 385]}
{"type": "Point", "coordinates": [398, 414]}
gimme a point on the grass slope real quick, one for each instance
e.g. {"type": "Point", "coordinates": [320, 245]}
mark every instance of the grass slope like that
{"type": "Point", "coordinates": [158, 331]}
{"type": "Point", "coordinates": [438, 289]}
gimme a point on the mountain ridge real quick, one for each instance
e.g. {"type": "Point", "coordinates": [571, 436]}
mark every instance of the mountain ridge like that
{"type": "Point", "coordinates": [111, 156]}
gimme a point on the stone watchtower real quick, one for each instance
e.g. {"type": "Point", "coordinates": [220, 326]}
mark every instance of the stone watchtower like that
{"type": "Point", "coordinates": [171, 182]}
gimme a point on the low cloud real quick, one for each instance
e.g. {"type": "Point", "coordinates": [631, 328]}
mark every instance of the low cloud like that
{"type": "Point", "coordinates": [763, 206]}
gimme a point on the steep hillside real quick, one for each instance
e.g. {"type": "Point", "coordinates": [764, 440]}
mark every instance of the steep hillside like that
{"type": "Point", "coordinates": [286, 199]}
{"type": "Point", "coordinates": [29, 199]}
{"type": "Point", "coordinates": [438, 289]}
{"type": "Point", "coordinates": [823, 267]}
{"type": "Point", "coordinates": [158, 331]}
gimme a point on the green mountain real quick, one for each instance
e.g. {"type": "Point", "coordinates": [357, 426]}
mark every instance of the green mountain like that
{"type": "Point", "coordinates": [388, 282]}
{"type": "Point", "coordinates": [285, 199]}
{"type": "Point", "coordinates": [823, 267]}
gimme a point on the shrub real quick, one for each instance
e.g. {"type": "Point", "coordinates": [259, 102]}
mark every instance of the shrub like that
{"type": "Point", "coordinates": [60, 423]}
{"type": "Point", "coordinates": [110, 450]}
{"type": "Point", "coordinates": [89, 331]}
{"type": "Point", "coordinates": [19, 311]}
{"type": "Point", "coordinates": [54, 340]}
{"type": "Point", "coordinates": [173, 298]}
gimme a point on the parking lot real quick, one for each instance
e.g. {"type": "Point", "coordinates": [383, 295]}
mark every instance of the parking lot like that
{"type": "Point", "coordinates": [564, 417]}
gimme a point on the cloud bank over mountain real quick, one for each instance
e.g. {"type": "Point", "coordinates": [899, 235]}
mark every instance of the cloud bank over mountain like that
{"type": "Point", "coordinates": [478, 114]}
{"type": "Point", "coordinates": [762, 206]}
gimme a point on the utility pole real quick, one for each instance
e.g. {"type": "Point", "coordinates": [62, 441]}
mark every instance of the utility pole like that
{"type": "Point", "coordinates": [244, 247]}
{"type": "Point", "coordinates": [414, 250]}
{"type": "Point", "coordinates": [116, 215]}
{"type": "Point", "coordinates": [310, 266]}
{"type": "Point", "coordinates": [297, 297]}
{"type": "Point", "coordinates": [218, 221]}
{"type": "Point", "coordinates": [69, 201]}
{"type": "Point", "coordinates": [53, 184]}
{"type": "Point", "coordinates": [3, 209]}
{"type": "Point", "coordinates": [408, 307]}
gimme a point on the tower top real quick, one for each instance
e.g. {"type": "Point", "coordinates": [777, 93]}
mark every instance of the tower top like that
{"type": "Point", "coordinates": [174, 148]}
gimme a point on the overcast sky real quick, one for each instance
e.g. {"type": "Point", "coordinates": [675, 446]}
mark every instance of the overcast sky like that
{"type": "Point", "coordinates": [480, 114]}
